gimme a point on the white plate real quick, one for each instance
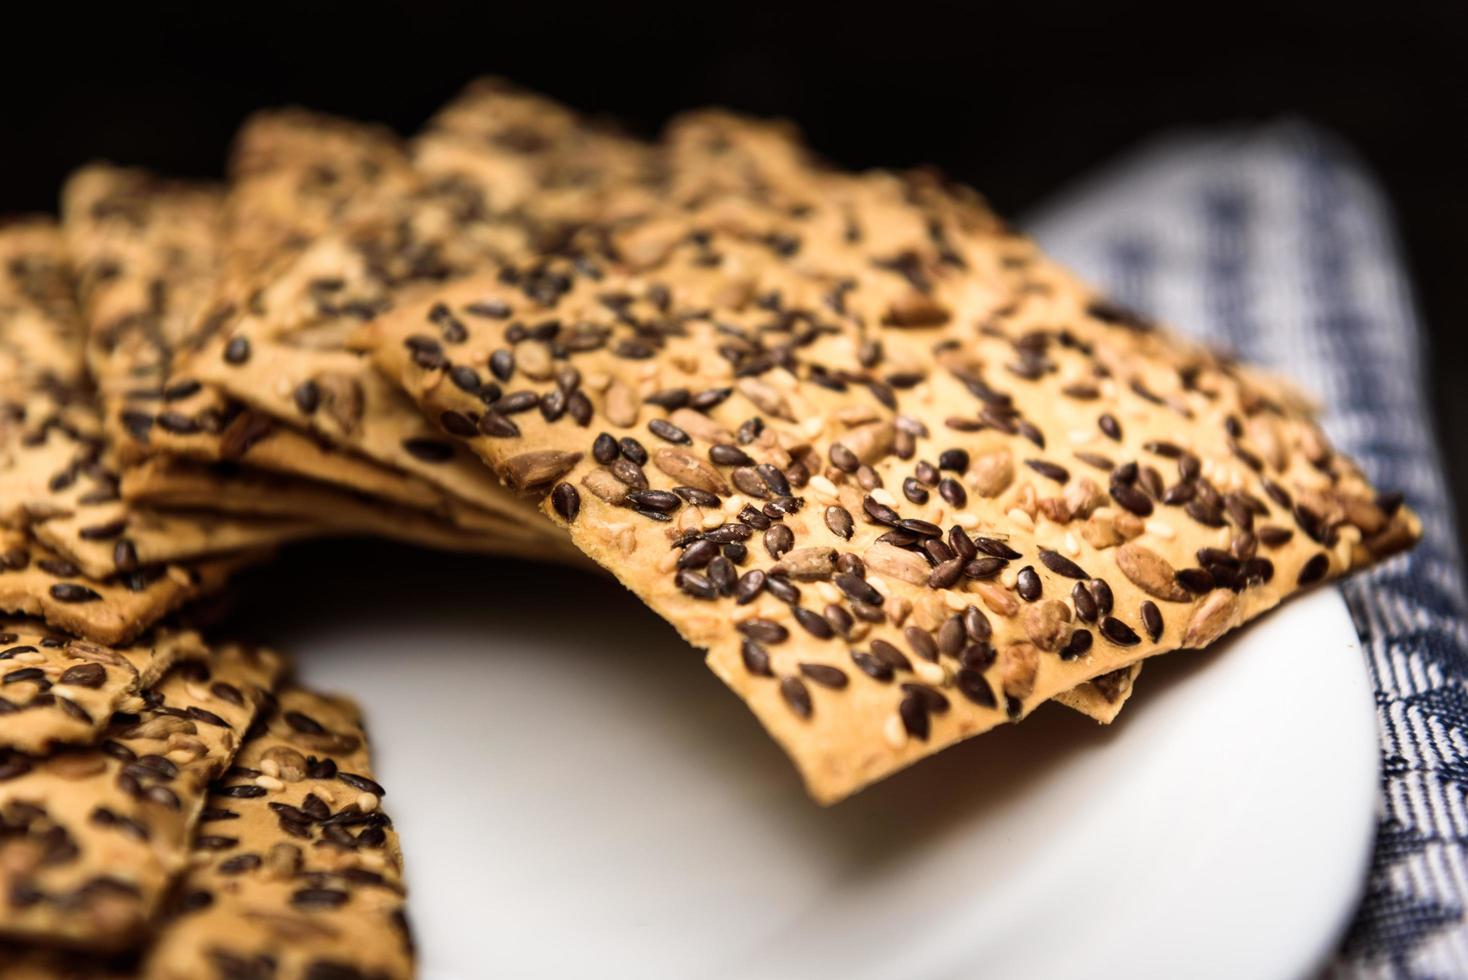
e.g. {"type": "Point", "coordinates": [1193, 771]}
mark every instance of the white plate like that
{"type": "Point", "coordinates": [578, 796]}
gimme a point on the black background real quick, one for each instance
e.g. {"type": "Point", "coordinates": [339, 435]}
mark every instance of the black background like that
{"type": "Point", "coordinates": [1014, 100]}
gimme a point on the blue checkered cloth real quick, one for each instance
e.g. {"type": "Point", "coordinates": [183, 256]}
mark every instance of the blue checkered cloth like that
{"type": "Point", "coordinates": [1273, 243]}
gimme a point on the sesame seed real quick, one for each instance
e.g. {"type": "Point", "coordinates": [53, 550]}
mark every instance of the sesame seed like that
{"type": "Point", "coordinates": [930, 673]}
{"type": "Point", "coordinates": [1021, 518]}
{"type": "Point", "coordinates": [894, 731]}
{"type": "Point", "coordinates": [1160, 529]}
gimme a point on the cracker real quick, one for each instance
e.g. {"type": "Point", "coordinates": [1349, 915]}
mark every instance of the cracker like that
{"type": "Point", "coordinates": [306, 876]}
{"type": "Point", "coordinates": [148, 257]}
{"type": "Point", "coordinates": [145, 254]}
{"type": "Point", "coordinates": [891, 351]}
{"type": "Point", "coordinates": [282, 349]}
{"type": "Point", "coordinates": [90, 536]}
{"type": "Point", "coordinates": [282, 312]}
{"type": "Point", "coordinates": [54, 473]}
{"type": "Point", "coordinates": [512, 157]}
{"type": "Point", "coordinates": [90, 838]}
{"type": "Point", "coordinates": [164, 484]}
{"type": "Point", "coordinates": [61, 690]}
{"type": "Point", "coordinates": [506, 150]}
{"type": "Point", "coordinates": [37, 582]}
{"type": "Point", "coordinates": [56, 482]}
{"type": "Point", "coordinates": [40, 337]}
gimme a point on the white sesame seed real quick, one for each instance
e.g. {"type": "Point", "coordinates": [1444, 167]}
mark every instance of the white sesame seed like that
{"type": "Point", "coordinates": [966, 520]}
{"type": "Point", "coordinates": [367, 802]}
{"type": "Point", "coordinates": [894, 731]}
{"type": "Point", "coordinates": [824, 488]}
{"type": "Point", "coordinates": [884, 496]}
{"type": "Point", "coordinates": [897, 609]}
{"type": "Point", "coordinates": [1160, 529]}
{"type": "Point", "coordinates": [929, 672]}
{"type": "Point", "coordinates": [1072, 546]}
{"type": "Point", "coordinates": [782, 378]}
{"type": "Point", "coordinates": [269, 782]}
{"type": "Point", "coordinates": [1021, 518]}
{"type": "Point", "coordinates": [880, 584]}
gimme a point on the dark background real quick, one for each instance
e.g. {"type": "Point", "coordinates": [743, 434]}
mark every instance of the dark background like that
{"type": "Point", "coordinates": [1014, 100]}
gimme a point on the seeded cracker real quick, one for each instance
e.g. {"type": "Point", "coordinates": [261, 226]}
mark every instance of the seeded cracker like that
{"type": "Point", "coordinates": [37, 582]}
{"type": "Point", "coordinates": [168, 484]}
{"type": "Point", "coordinates": [141, 246]}
{"type": "Point", "coordinates": [501, 148]}
{"type": "Point", "coordinates": [53, 471]}
{"type": "Point", "coordinates": [497, 169]}
{"type": "Point", "coordinates": [62, 690]}
{"type": "Point", "coordinates": [487, 159]}
{"type": "Point", "coordinates": [932, 478]}
{"type": "Point", "coordinates": [524, 168]}
{"type": "Point", "coordinates": [148, 257]}
{"type": "Point", "coordinates": [296, 865]}
{"type": "Point", "coordinates": [276, 329]}
{"type": "Point", "coordinates": [91, 837]}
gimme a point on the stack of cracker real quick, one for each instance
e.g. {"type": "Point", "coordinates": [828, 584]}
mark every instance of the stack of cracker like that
{"type": "Point", "coordinates": [900, 476]}
{"type": "Point", "coordinates": [168, 809]}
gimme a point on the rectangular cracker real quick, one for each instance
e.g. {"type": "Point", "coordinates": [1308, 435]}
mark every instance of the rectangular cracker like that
{"type": "Point", "coordinates": [300, 250]}
{"type": "Point", "coordinates": [53, 473]}
{"type": "Point", "coordinates": [517, 152]}
{"type": "Point", "coordinates": [58, 690]}
{"type": "Point", "coordinates": [491, 167]}
{"type": "Point", "coordinates": [842, 330]}
{"type": "Point", "coordinates": [296, 864]}
{"type": "Point", "coordinates": [55, 479]}
{"type": "Point", "coordinates": [523, 152]}
{"type": "Point", "coordinates": [408, 231]}
{"type": "Point", "coordinates": [235, 910]}
{"type": "Point", "coordinates": [164, 484]}
{"type": "Point", "coordinates": [148, 257]}
{"type": "Point", "coordinates": [91, 837]}
{"type": "Point", "coordinates": [40, 583]}
{"type": "Point", "coordinates": [40, 337]}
